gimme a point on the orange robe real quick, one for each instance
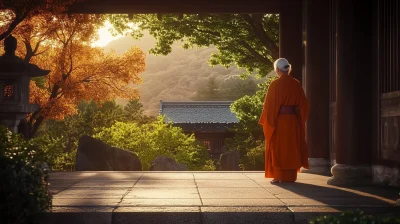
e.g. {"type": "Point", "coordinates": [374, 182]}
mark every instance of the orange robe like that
{"type": "Point", "coordinates": [286, 149]}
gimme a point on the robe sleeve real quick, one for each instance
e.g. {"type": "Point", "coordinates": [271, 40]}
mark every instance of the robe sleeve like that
{"type": "Point", "coordinates": [303, 115]}
{"type": "Point", "coordinates": [270, 112]}
{"type": "Point", "coordinates": [304, 108]}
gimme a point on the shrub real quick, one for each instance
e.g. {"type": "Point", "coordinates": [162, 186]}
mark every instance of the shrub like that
{"type": "Point", "coordinates": [209, 166]}
{"type": "Point", "coordinates": [156, 138]}
{"type": "Point", "coordinates": [52, 149]}
{"type": "Point", "coordinates": [23, 186]}
{"type": "Point", "coordinates": [249, 137]}
{"type": "Point", "coordinates": [357, 217]}
{"type": "Point", "coordinates": [255, 158]}
{"type": "Point", "coordinates": [58, 139]}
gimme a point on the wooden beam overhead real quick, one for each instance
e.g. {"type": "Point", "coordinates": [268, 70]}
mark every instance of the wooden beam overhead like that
{"type": "Point", "coordinates": [177, 6]}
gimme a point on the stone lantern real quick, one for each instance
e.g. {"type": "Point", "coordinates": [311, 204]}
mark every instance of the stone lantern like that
{"type": "Point", "coordinates": [15, 76]}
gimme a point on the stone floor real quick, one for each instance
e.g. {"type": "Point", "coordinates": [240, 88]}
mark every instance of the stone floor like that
{"type": "Point", "coordinates": [204, 197]}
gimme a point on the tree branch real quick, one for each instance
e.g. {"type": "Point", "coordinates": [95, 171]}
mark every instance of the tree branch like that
{"type": "Point", "coordinates": [29, 51]}
{"type": "Point", "coordinates": [70, 61]}
{"type": "Point", "coordinates": [14, 24]}
{"type": "Point", "coordinates": [37, 46]}
{"type": "Point", "coordinates": [217, 34]}
{"type": "Point", "coordinates": [255, 23]}
{"type": "Point", "coordinates": [41, 52]}
{"type": "Point", "coordinates": [253, 52]}
{"type": "Point", "coordinates": [35, 127]}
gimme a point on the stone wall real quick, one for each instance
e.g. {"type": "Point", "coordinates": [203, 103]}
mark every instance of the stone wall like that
{"type": "Point", "coordinates": [384, 175]}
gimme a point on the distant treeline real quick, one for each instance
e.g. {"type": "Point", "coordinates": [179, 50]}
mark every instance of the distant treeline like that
{"type": "Point", "coordinates": [184, 75]}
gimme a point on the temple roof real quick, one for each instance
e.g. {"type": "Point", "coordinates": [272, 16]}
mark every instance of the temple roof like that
{"type": "Point", "coordinates": [198, 112]}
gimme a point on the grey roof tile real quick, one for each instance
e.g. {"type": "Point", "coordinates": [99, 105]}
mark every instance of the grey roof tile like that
{"type": "Point", "coordinates": [198, 112]}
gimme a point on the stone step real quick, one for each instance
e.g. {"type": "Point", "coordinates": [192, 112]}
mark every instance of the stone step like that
{"type": "Point", "coordinates": [198, 215]}
{"type": "Point", "coordinates": [110, 197]}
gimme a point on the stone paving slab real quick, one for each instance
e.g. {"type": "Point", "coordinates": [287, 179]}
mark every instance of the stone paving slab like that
{"type": "Point", "coordinates": [246, 215]}
{"type": "Point", "coordinates": [78, 215]}
{"type": "Point", "coordinates": [203, 197]}
{"type": "Point", "coordinates": [54, 183]}
{"type": "Point", "coordinates": [92, 193]}
{"type": "Point", "coordinates": [85, 202]}
{"type": "Point", "coordinates": [116, 176]}
{"type": "Point", "coordinates": [161, 202]}
{"type": "Point", "coordinates": [220, 176]}
{"type": "Point", "coordinates": [105, 184]}
{"type": "Point", "coordinates": [335, 202]}
{"type": "Point", "coordinates": [71, 175]}
{"type": "Point", "coordinates": [250, 202]}
{"type": "Point", "coordinates": [314, 193]}
{"type": "Point", "coordinates": [160, 193]}
{"type": "Point", "coordinates": [167, 176]}
{"type": "Point", "coordinates": [56, 190]}
{"type": "Point", "coordinates": [226, 184]}
{"type": "Point", "coordinates": [169, 215]}
{"type": "Point", "coordinates": [246, 193]}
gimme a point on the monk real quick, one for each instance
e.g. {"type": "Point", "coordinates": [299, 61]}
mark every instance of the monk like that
{"type": "Point", "coordinates": [283, 120]}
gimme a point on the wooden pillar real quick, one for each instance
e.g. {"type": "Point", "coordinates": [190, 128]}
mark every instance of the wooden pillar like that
{"type": "Point", "coordinates": [316, 72]}
{"type": "Point", "coordinates": [290, 36]}
{"type": "Point", "coordinates": [354, 93]}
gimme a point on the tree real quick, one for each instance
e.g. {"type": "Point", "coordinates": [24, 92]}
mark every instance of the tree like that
{"type": "Point", "coordinates": [61, 43]}
{"type": "Point", "coordinates": [58, 139]}
{"type": "Point", "coordinates": [249, 138]}
{"type": "Point", "coordinates": [14, 12]}
{"type": "Point", "coordinates": [134, 113]}
{"type": "Point", "coordinates": [248, 40]}
{"type": "Point", "coordinates": [210, 91]}
{"type": "Point", "coordinates": [231, 89]}
{"type": "Point", "coordinates": [238, 88]}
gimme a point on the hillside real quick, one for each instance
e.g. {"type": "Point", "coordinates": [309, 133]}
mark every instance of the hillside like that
{"type": "Point", "coordinates": [183, 75]}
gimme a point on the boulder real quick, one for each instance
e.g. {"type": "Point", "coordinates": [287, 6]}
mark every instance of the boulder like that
{"type": "Point", "coordinates": [164, 163]}
{"type": "Point", "coordinates": [95, 155]}
{"type": "Point", "coordinates": [229, 161]}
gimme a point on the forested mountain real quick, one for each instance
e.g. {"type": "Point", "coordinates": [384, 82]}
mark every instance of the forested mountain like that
{"type": "Point", "coordinates": [183, 75]}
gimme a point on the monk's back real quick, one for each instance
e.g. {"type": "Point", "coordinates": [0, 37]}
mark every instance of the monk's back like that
{"type": "Point", "coordinates": [289, 90]}
{"type": "Point", "coordinates": [283, 119]}
{"type": "Point", "coordinates": [285, 143]}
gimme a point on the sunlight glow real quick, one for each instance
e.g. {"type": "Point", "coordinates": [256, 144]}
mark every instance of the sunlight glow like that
{"type": "Point", "coordinates": [105, 35]}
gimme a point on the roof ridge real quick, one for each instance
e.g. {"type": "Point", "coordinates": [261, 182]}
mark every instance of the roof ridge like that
{"type": "Point", "coordinates": [196, 102]}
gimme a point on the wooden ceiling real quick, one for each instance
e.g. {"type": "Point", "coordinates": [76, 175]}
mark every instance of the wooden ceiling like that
{"type": "Point", "coordinates": [177, 6]}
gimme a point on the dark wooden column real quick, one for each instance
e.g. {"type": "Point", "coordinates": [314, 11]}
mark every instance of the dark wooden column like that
{"type": "Point", "coordinates": [290, 35]}
{"type": "Point", "coordinates": [354, 93]}
{"type": "Point", "coordinates": [316, 72]}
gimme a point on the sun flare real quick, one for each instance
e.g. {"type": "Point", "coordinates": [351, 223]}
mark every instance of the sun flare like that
{"type": "Point", "coordinates": [105, 35]}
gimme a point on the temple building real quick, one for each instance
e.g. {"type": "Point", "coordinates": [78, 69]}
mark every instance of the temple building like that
{"type": "Point", "coordinates": [210, 121]}
{"type": "Point", "coordinates": [346, 54]}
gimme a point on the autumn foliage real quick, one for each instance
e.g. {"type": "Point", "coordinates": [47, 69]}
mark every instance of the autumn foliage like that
{"type": "Point", "coordinates": [13, 12]}
{"type": "Point", "coordinates": [89, 73]}
{"type": "Point", "coordinates": [62, 43]}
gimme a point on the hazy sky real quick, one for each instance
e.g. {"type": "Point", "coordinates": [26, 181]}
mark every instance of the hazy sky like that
{"type": "Point", "coordinates": [105, 36]}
